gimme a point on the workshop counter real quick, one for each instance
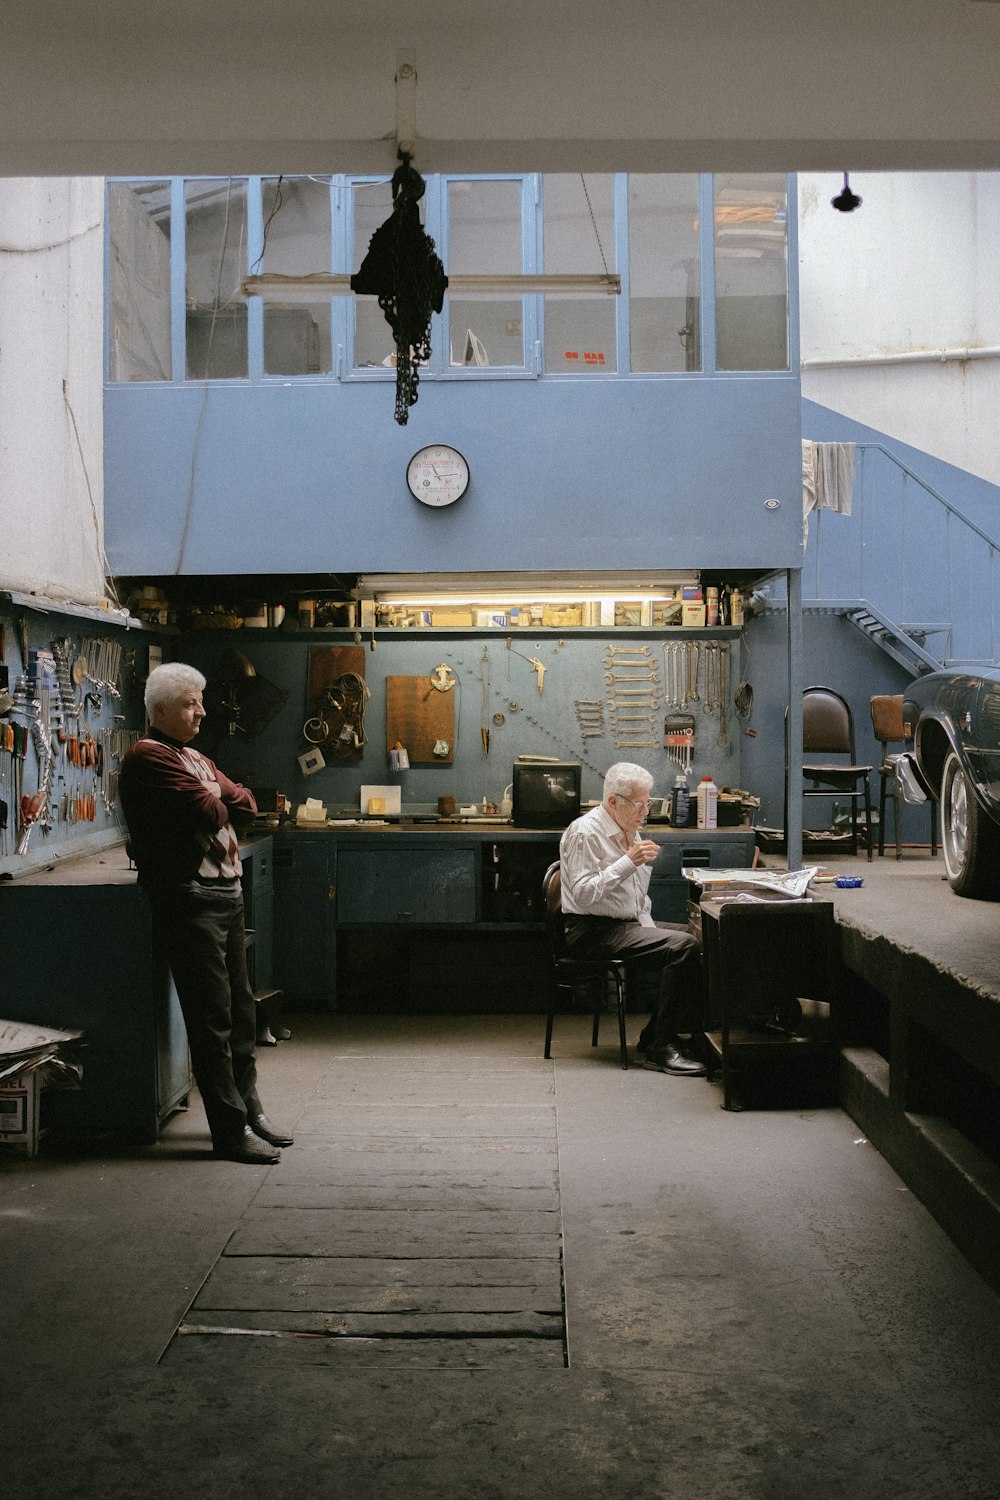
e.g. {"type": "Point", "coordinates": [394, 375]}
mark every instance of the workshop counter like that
{"type": "Point", "coordinates": [81, 954]}
{"type": "Point", "coordinates": [469, 883]}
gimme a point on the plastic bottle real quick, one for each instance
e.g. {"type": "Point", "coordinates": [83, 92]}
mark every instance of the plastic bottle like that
{"type": "Point", "coordinates": [680, 801]}
{"type": "Point", "coordinates": [708, 803]}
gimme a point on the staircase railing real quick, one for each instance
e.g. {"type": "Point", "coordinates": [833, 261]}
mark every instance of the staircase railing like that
{"type": "Point", "coordinates": [909, 558]}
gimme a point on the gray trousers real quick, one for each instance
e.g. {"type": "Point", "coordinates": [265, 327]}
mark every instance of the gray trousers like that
{"type": "Point", "coordinates": [666, 948]}
{"type": "Point", "coordinates": [204, 937]}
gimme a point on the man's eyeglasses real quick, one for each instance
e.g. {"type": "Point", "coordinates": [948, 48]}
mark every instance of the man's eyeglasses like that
{"type": "Point", "coordinates": [636, 802]}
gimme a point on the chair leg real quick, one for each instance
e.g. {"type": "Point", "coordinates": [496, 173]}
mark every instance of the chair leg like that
{"type": "Point", "coordinates": [597, 1022]}
{"type": "Point", "coordinates": [868, 820]}
{"type": "Point", "coordinates": [550, 1018]}
{"type": "Point", "coordinates": [620, 988]}
{"type": "Point", "coordinates": [881, 815]}
{"type": "Point", "coordinates": [895, 824]}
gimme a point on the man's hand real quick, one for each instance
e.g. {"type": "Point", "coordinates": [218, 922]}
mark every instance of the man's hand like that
{"type": "Point", "coordinates": [644, 852]}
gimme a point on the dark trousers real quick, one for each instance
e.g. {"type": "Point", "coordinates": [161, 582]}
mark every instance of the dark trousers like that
{"type": "Point", "coordinates": [203, 935]}
{"type": "Point", "coordinates": [667, 948]}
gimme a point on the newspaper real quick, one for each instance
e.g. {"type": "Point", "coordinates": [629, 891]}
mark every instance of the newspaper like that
{"type": "Point", "coordinates": [25, 1045]}
{"type": "Point", "coordinates": [791, 885]}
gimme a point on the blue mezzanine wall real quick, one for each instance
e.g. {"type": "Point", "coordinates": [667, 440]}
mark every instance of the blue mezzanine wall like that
{"type": "Point", "coordinates": [623, 473]}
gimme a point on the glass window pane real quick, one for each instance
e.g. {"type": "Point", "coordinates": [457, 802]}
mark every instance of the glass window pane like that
{"type": "Point", "coordinates": [579, 235]}
{"type": "Point", "coordinates": [372, 205]}
{"type": "Point", "coordinates": [751, 272]}
{"type": "Point", "coordinates": [296, 242]}
{"type": "Point", "coordinates": [216, 218]}
{"type": "Point", "coordinates": [485, 238]}
{"type": "Point", "coordinates": [664, 273]}
{"type": "Point", "coordinates": [139, 311]}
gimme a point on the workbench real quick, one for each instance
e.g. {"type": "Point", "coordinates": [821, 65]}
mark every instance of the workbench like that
{"type": "Point", "coordinates": [476, 889]}
{"type": "Point", "coordinates": [79, 953]}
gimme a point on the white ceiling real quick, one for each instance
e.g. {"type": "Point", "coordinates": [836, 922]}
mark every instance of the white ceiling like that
{"type": "Point", "coordinates": [230, 86]}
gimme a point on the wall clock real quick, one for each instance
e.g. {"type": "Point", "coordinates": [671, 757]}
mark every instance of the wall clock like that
{"type": "Point", "coordinates": [437, 475]}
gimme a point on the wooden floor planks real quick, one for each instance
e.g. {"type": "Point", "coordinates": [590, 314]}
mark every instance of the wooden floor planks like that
{"type": "Point", "coordinates": [414, 1223]}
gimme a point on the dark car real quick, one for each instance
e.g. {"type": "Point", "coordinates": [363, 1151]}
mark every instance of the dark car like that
{"type": "Point", "coordinates": [952, 725]}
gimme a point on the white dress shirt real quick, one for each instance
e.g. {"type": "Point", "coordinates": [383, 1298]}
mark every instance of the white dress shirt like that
{"type": "Point", "coordinates": [598, 878]}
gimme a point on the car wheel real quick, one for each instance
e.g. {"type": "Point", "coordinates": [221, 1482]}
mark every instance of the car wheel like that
{"type": "Point", "coordinates": [969, 838]}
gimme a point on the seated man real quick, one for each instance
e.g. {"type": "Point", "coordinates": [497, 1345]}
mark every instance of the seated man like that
{"type": "Point", "coordinates": [606, 868]}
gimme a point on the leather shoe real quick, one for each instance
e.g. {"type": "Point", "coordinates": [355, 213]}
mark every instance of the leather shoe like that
{"type": "Point", "coordinates": [269, 1132]}
{"type": "Point", "coordinates": [669, 1059]}
{"type": "Point", "coordinates": [249, 1148]}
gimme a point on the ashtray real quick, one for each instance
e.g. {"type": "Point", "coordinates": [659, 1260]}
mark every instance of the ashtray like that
{"type": "Point", "coordinates": [848, 882]}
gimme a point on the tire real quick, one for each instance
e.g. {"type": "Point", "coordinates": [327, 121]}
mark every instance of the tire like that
{"type": "Point", "coordinates": [970, 840]}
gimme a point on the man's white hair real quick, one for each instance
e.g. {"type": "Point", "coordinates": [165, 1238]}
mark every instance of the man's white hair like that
{"type": "Point", "coordinates": [624, 778]}
{"type": "Point", "coordinates": [167, 683]}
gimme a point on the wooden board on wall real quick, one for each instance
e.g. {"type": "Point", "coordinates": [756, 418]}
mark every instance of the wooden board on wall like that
{"type": "Point", "coordinates": [326, 665]}
{"type": "Point", "coordinates": [417, 716]}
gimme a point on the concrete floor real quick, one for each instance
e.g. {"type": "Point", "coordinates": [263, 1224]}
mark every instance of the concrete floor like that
{"type": "Point", "coordinates": [755, 1304]}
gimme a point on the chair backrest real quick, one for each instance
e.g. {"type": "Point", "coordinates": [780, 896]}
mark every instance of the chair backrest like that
{"type": "Point", "coordinates": [554, 921]}
{"type": "Point", "coordinates": [887, 719]}
{"type": "Point", "coordinates": [827, 723]}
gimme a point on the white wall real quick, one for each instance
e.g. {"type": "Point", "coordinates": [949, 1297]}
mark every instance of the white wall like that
{"type": "Point", "coordinates": [51, 387]}
{"type": "Point", "coordinates": [913, 272]}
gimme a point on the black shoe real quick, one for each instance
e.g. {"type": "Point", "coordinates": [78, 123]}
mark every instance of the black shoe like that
{"type": "Point", "coordinates": [249, 1148]}
{"type": "Point", "coordinates": [669, 1059]}
{"type": "Point", "coordinates": [262, 1126]}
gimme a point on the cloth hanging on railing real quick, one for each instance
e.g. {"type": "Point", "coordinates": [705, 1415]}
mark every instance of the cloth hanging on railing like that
{"type": "Point", "coordinates": [827, 479]}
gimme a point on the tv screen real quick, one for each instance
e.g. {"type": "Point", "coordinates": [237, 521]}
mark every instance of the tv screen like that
{"type": "Point", "coordinates": [546, 794]}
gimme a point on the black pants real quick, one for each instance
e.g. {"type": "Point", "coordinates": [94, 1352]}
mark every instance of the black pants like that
{"type": "Point", "coordinates": [203, 935]}
{"type": "Point", "coordinates": [666, 947]}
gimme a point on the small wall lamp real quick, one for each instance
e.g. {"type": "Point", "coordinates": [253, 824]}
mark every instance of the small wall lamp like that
{"type": "Point", "coordinates": [846, 201]}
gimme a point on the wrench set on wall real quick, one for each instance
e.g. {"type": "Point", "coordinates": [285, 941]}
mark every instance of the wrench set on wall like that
{"type": "Point", "coordinates": [632, 680]}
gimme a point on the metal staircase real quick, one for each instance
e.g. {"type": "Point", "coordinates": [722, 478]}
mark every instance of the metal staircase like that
{"type": "Point", "coordinates": [906, 554]}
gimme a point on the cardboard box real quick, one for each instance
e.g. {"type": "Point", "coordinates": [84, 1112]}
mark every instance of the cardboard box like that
{"type": "Point", "coordinates": [693, 615]}
{"type": "Point", "coordinates": [19, 1109]}
{"type": "Point", "coordinates": [448, 615]}
{"type": "Point", "coordinates": [560, 616]}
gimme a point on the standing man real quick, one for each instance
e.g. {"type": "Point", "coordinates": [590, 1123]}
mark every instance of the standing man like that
{"type": "Point", "coordinates": [182, 816]}
{"type": "Point", "coordinates": [605, 868]}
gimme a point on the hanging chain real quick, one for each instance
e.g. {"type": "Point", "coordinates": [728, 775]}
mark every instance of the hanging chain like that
{"type": "Point", "coordinates": [593, 221]}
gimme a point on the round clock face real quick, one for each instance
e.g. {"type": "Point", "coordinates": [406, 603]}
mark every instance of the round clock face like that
{"type": "Point", "coordinates": [437, 475]}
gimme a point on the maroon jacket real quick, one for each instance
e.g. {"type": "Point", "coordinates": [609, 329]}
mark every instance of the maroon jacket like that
{"type": "Point", "coordinates": [171, 812]}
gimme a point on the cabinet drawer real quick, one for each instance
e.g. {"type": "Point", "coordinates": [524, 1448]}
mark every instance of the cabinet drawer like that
{"type": "Point", "coordinates": [397, 885]}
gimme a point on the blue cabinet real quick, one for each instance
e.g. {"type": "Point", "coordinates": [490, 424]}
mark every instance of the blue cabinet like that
{"type": "Point", "coordinates": [304, 940]}
{"type": "Point", "coordinates": [257, 858]}
{"type": "Point", "coordinates": [331, 885]}
{"type": "Point", "coordinates": [80, 954]}
{"type": "Point", "coordinates": [393, 884]}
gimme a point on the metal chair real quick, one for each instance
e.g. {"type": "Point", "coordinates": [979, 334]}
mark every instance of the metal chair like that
{"type": "Point", "coordinates": [887, 724]}
{"type": "Point", "coordinates": [828, 729]}
{"type": "Point", "coordinates": [566, 971]}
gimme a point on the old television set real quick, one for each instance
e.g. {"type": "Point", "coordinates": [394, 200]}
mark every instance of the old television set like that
{"type": "Point", "coordinates": [545, 793]}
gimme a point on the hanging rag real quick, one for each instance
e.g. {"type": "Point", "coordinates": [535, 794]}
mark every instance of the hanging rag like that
{"type": "Point", "coordinates": [827, 479]}
{"type": "Point", "coordinates": [403, 271]}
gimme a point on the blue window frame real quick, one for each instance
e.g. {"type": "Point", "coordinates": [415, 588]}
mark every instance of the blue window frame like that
{"type": "Point", "coordinates": [703, 263]}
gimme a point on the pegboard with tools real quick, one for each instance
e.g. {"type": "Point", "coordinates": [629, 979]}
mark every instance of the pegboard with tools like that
{"type": "Point", "coordinates": [64, 726]}
{"type": "Point", "coordinates": [598, 703]}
